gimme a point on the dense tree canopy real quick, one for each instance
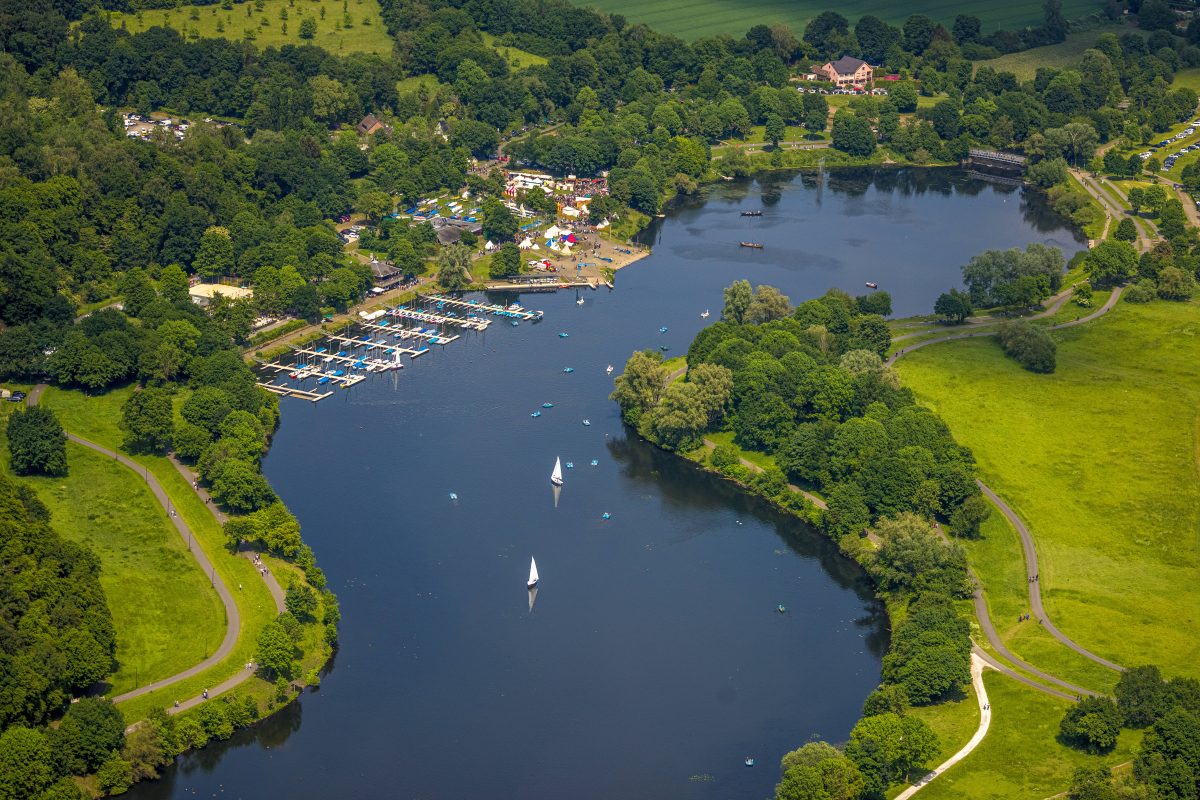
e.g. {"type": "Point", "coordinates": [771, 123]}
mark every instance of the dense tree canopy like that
{"type": "Point", "coordinates": [56, 633]}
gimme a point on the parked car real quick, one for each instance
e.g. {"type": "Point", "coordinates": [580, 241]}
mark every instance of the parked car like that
{"type": "Point", "coordinates": [16, 397]}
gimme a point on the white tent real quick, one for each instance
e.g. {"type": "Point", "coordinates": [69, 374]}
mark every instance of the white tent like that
{"type": "Point", "coordinates": [602, 225]}
{"type": "Point", "coordinates": [554, 246]}
{"type": "Point", "coordinates": [526, 243]}
{"type": "Point", "coordinates": [566, 249]}
{"type": "Point", "coordinates": [490, 245]}
{"type": "Point", "coordinates": [568, 211]}
{"type": "Point", "coordinates": [553, 232]}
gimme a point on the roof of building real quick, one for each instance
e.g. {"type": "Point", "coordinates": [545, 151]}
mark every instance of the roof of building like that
{"type": "Point", "coordinates": [369, 124]}
{"type": "Point", "coordinates": [383, 269]}
{"type": "Point", "coordinates": [449, 235]}
{"type": "Point", "coordinates": [210, 289]}
{"type": "Point", "coordinates": [847, 65]}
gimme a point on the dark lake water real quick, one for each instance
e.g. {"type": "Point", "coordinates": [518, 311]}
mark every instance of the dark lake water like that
{"type": "Point", "coordinates": [654, 659]}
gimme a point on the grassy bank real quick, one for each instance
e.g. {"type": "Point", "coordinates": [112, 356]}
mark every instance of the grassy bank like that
{"type": "Point", "coordinates": [1021, 755]}
{"type": "Point", "coordinates": [163, 608]}
{"type": "Point", "coordinates": [95, 418]}
{"type": "Point", "coordinates": [1099, 459]}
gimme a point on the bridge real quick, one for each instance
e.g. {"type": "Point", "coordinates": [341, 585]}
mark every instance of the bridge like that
{"type": "Point", "coordinates": [996, 159]}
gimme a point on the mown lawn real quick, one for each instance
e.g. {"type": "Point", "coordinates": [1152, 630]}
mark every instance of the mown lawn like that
{"type": "Point", "coordinates": [95, 418]}
{"type": "Point", "coordinates": [1100, 460]}
{"type": "Point", "coordinates": [1065, 54]}
{"type": "Point", "coordinates": [1020, 757]}
{"type": "Point", "coordinates": [692, 19]}
{"type": "Point", "coordinates": [352, 26]}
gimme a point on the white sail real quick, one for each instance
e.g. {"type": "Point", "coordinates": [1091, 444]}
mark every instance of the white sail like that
{"type": "Point", "coordinates": [533, 576]}
{"type": "Point", "coordinates": [556, 475]}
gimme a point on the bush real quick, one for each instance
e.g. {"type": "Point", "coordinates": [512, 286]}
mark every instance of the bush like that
{"type": "Point", "coordinates": [966, 519]}
{"type": "Point", "coordinates": [1175, 284]}
{"type": "Point", "coordinates": [115, 775]}
{"type": "Point", "coordinates": [1093, 724]}
{"type": "Point", "coordinates": [1143, 291]}
{"type": "Point", "coordinates": [1029, 345]}
{"type": "Point", "coordinates": [723, 456]}
{"type": "Point", "coordinates": [888, 698]}
{"type": "Point", "coordinates": [1126, 230]}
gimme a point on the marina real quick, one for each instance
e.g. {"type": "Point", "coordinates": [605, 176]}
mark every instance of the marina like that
{"type": "Point", "coordinates": [512, 310]}
{"type": "Point", "coordinates": [470, 323]}
{"type": "Point", "coordinates": [383, 346]}
{"type": "Point", "coordinates": [400, 332]}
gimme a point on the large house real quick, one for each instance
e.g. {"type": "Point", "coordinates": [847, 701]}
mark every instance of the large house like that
{"type": "Point", "coordinates": [848, 71]}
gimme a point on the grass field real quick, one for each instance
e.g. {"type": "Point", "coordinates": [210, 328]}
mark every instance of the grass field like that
{"type": "Point", "coordinates": [353, 26]}
{"type": "Point", "coordinates": [163, 608]}
{"type": "Point", "coordinates": [1025, 63]}
{"type": "Point", "coordinates": [516, 57]}
{"type": "Point", "coordinates": [693, 19]}
{"type": "Point", "coordinates": [1020, 757]}
{"type": "Point", "coordinates": [1100, 459]}
{"type": "Point", "coordinates": [167, 615]}
{"type": "Point", "coordinates": [95, 418]}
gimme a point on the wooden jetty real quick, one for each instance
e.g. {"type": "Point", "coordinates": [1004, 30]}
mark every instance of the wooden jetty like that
{"type": "Point", "coordinates": [470, 323]}
{"type": "Point", "coordinates": [345, 381]}
{"type": "Point", "coordinates": [289, 391]}
{"type": "Point", "coordinates": [514, 311]}
{"type": "Point", "coordinates": [409, 333]}
{"type": "Point", "coordinates": [383, 346]}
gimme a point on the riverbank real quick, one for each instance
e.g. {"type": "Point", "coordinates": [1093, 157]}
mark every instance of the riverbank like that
{"type": "Point", "coordinates": [215, 693]}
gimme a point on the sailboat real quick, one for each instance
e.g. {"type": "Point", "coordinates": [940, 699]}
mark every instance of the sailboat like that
{"type": "Point", "coordinates": [556, 475]}
{"type": "Point", "coordinates": [609, 370]}
{"type": "Point", "coordinates": [533, 576]}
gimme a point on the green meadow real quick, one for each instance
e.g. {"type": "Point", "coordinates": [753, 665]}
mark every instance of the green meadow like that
{"type": "Point", "coordinates": [692, 19]}
{"type": "Point", "coordinates": [164, 610]}
{"type": "Point", "coordinates": [94, 417]}
{"type": "Point", "coordinates": [1065, 54]}
{"type": "Point", "coordinates": [1100, 460]}
{"type": "Point", "coordinates": [1021, 755]}
{"type": "Point", "coordinates": [343, 26]}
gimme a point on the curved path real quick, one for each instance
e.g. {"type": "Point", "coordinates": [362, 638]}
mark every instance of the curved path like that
{"type": "Point", "coordinates": [1053, 308]}
{"type": "Point", "coordinates": [985, 721]}
{"type": "Point", "coordinates": [1027, 544]}
{"type": "Point", "coordinates": [1055, 304]}
{"type": "Point", "coordinates": [1004, 669]}
{"type": "Point", "coordinates": [233, 619]}
{"type": "Point", "coordinates": [1035, 586]}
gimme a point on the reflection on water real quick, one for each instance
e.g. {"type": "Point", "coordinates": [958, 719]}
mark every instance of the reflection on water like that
{"type": "Point", "coordinates": [656, 652]}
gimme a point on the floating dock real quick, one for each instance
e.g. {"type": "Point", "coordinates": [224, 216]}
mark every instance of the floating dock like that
{"type": "Point", "coordinates": [375, 349]}
{"type": "Point", "coordinates": [304, 371]}
{"type": "Point", "coordinates": [401, 332]}
{"type": "Point", "coordinates": [381, 345]}
{"type": "Point", "coordinates": [289, 391]}
{"type": "Point", "coordinates": [470, 323]}
{"type": "Point", "coordinates": [514, 311]}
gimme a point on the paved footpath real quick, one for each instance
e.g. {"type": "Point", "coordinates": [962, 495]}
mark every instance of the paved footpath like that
{"type": "Point", "coordinates": [985, 720]}
{"type": "Point", "coordinates": [233, 619]}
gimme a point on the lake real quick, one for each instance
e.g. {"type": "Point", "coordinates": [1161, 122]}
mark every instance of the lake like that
{"type": "Point", "coordinates": [653, 660]}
